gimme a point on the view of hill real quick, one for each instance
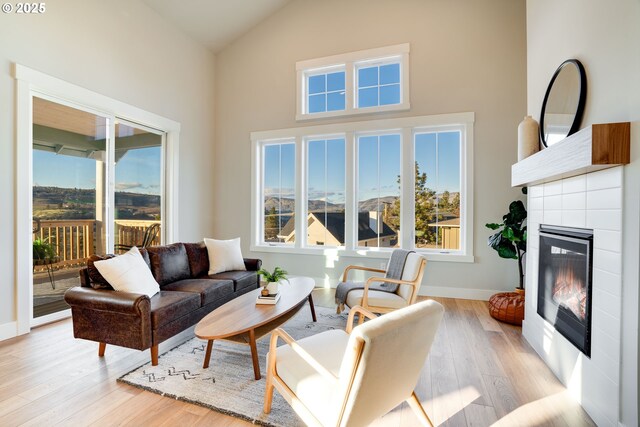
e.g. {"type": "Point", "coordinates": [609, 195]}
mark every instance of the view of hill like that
{"type": "Point", "coordinates": [287, 205]}
{"type": "Point", "coordinates": [51, 203]}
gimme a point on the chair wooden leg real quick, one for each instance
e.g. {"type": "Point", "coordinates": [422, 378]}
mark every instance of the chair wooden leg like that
{"type": "Point", "coordinates": [417, 408]}
{"type": "Point", "coordinates": [101, 347]}
{"type": "Point", "coordinates": [268, 394]}
{"type": "Point", "coordinates": [154, 355]}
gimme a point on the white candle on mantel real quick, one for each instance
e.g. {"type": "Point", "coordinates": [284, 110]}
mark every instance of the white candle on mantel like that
{"type": "Point", "coordinates": [528, 140]}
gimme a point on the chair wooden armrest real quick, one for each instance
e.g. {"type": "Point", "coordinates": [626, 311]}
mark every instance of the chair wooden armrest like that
{"type": "Point", "coordinates": [358, 267]}
{"type": "Point", "coordinates": [280, 333]}
{"type": "Point", "coordinates": [358, 309]}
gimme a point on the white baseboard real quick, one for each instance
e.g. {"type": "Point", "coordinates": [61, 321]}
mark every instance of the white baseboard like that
{"type": "Point", "coordinates": [50, 318]}
{"type": "Point", "coordinates": [461, 293]}
{"type": "Point", "coordinates": [8, 330]}
{"type": "Point", "coordinates": [433, 291]}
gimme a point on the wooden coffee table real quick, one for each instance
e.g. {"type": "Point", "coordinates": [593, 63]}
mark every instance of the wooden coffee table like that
{"type": "Point", "coordinates": [243, 321]}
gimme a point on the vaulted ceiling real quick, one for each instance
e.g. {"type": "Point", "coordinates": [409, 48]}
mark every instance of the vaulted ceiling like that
{"type": "Point", "coordinates": [215, 23]}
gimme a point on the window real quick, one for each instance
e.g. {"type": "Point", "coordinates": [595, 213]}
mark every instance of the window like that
{"type": "Point", "coordinates": [378, 85]}
{"type": "Point", "coordinates": [326, 92]}
{"type": "Point", "coordinates": [378, 190]}
{"type": "Point", "coordinates": [363, 188]}
{"type": "Point", "coordinates": [437, 190]}
{"type": "Point", "coordinates": [279, 203]}
{"type": "Point", "coordinates": [326, 192]}
{"type": "Point", "coordinates": [354, 83]}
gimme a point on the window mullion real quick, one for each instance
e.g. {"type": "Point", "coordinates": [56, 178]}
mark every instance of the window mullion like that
{"type": "Point", "coordinates": [351, 192]}
{"type": "Point", "coordinates": [300, 190]}
{"type": "Point", "coordinates": [349, 95]}
{"type": "Point", "coordinates": [407, 191]}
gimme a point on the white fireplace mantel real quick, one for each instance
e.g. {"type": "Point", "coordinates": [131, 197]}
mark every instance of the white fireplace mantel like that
{"type": "Point", "coordinates": [595, 147]}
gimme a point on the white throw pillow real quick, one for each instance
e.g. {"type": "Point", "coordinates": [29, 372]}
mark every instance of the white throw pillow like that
{"type": "Point", "coordinates": [224, 255]}
{"type": "Point", "coordinates": [129, 273]}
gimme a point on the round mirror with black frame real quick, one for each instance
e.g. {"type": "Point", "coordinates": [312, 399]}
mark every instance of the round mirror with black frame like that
{"type": "Point", "coordinates": [563, 103]}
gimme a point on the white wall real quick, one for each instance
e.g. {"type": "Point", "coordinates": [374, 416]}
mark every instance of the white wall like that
{"type": "Point", "coordinates": [605, 37]}
{"type": "Point", "coordinates": [124, 50]}
{"type": "Point", "coordinates": [465, 56]}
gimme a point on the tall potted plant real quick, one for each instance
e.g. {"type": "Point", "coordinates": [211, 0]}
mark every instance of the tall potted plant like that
{"type": "Point", "coordinates": [510, 241]}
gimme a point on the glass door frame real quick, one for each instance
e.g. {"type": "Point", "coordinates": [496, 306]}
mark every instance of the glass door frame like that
{"type": "Point", "coordinates": [30, 83]}
{"type": "Point", "coordinates": [112, 173]}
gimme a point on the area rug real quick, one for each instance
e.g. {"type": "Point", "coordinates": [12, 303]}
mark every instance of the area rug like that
{"type": "Point", "coordinates": [228, 385]}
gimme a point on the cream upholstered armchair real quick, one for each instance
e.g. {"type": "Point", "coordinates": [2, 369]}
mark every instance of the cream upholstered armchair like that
{"type": "Point", "coordinates": [350, 378]}
{"type": "Point", "coordinates": [379, 301]}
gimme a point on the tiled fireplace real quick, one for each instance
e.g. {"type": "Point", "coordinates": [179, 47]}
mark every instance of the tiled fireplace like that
{"type": "Point", "coordinates": [564, 282]}
{"type": "Point", "coordinates": [584, 352]}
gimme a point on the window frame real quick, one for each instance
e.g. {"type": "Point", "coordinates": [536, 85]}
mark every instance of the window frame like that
{"type": "Point", "coordinates": [407, 127]}
{"type": "Point", "coordinates": [357, 136]}
{"type": "Point", "coordinates": [305, 192]}
{"type": "Point", "coordinates": [319, 72]}
{"type": "Point", "coordinates": [350, 62]}
{"type": "Point", "coordinates": [465, 237]}
{"type": "Point", "coordinates": [260, 190]}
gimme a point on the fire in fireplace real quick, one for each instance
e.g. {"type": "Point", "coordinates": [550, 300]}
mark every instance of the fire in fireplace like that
{"type": "Point", "coordinates": [564, 282]}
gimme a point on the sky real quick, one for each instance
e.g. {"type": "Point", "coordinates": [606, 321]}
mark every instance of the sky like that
{"type": "Point", "coordinates": [138, 171]}
{"type": "Point", "coordinates": [437, 154]}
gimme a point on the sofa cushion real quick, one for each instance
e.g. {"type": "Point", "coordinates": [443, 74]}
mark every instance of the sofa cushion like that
{"type": "Point", "coordinates": [145, 256]}
{"type": "Point", "coordinates": [210, 290]}
{"type": "Point", "coordinates": [198, 258]}
{"type": "Point", "coordinates": [241, 279]}
{"type": "Point", "coordinates": [169, 263]}
{"type": "Point", "coordinates": [97, 281]}
{"type": "Point", "coordinates": [224, 255]}
{"type": "Point", "coordinates": [167, 306]}
{"type": "Point", "coordinates": [128, 273]}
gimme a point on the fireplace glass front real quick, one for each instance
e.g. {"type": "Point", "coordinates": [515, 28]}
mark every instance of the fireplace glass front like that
{"type": "Point", "coordinates": [564, 282]}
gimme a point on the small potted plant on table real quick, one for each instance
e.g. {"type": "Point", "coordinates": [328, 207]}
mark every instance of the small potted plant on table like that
{"type": "Point", "coordinates": [272, 280]}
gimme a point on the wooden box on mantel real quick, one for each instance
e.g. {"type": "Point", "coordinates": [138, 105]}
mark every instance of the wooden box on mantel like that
{"type": "Point", "coordinates": [593, 148]}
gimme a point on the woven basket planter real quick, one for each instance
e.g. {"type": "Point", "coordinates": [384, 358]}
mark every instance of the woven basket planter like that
{"type": "Point", "coordinates": [507, 307]}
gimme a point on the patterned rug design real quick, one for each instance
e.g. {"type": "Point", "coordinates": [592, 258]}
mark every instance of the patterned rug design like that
{"type": "Point", "coordinates": [228, 385]}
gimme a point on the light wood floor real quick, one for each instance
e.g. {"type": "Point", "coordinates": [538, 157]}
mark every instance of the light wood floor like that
{"type": "Point", "coordinates": [480, 372]}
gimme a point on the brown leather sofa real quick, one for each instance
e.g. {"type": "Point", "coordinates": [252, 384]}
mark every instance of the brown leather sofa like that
{"type": "Point", "coordinates": [187, 294]}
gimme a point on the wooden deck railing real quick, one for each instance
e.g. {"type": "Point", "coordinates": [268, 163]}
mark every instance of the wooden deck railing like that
{"type": "Point", "coordinates": [74, 241]}
{"type": "Point", "coordinates": [131, 232]}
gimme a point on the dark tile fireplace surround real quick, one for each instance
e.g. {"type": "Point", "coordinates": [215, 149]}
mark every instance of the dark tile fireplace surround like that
{"type": "Point", "coordinates": [564, 282]}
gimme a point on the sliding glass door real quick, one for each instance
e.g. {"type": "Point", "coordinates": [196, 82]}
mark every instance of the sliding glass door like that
{"type": "Point", "coordinates": [97, 187]}
{"type": "Point", "coordinates": [68, 163]}
{"type": "Point", "coordinates": [138, 186]}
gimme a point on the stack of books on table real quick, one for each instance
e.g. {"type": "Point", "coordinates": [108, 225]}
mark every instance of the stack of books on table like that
{"type": "Point", "coordinates": [268, 299]}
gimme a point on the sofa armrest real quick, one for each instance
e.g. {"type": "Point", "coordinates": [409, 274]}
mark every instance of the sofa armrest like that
{"type": "Point", "coordinates": [106, 300]}
{"type": "Point", "coordinates": [111, 317]}
{"type": "Point", "coordinates": [252, 264]}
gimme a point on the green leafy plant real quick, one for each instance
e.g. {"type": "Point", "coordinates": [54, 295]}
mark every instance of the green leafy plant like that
{"type": "Point", "coordinates": [277, 275]}
{"type": "Point", "coordinates": [43, 250]}
{"type": "Point", "coordinates": [511, 239]}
